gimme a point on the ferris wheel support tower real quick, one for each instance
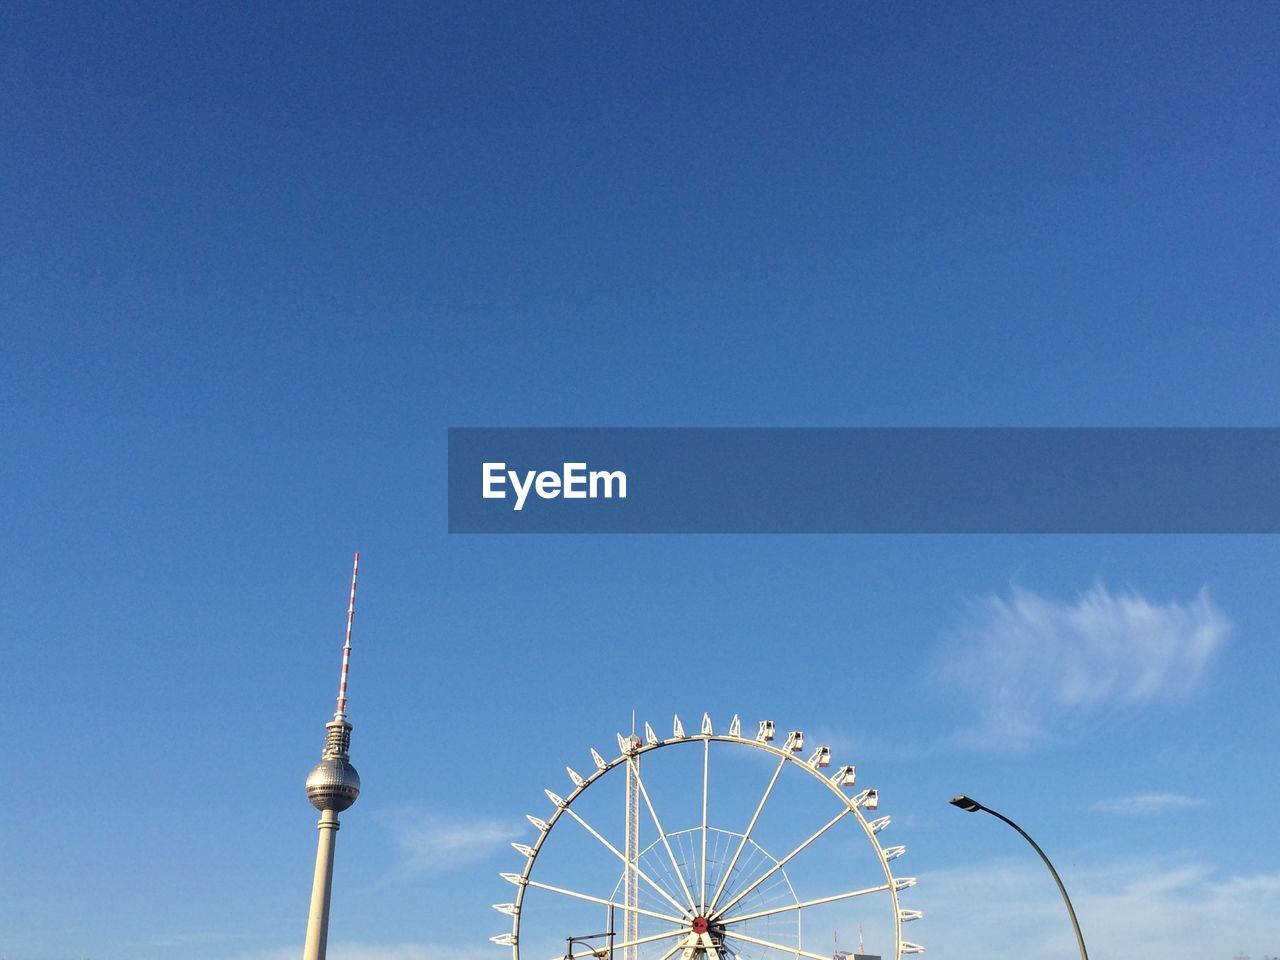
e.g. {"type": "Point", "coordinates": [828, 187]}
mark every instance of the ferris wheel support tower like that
{"type": "Point", "coordinates": [631, 883]}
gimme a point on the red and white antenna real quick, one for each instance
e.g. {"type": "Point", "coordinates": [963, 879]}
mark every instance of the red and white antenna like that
{"type": "Point", "coordinates": [346, 647]}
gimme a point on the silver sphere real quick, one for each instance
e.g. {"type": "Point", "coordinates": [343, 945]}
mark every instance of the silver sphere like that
{"type": "Point", "coordinates": [333, 784]}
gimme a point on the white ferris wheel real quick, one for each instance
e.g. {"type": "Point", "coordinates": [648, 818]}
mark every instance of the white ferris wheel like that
{"type": "Point", "coordinates": [708, 846]}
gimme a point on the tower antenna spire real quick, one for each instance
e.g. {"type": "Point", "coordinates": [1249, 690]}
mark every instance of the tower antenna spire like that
{"type": "Point", "coordinates": [346, 647]}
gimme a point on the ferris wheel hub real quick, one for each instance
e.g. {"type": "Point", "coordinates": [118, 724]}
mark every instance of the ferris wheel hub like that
{"type": "Point", "coordinates": [700, 924]}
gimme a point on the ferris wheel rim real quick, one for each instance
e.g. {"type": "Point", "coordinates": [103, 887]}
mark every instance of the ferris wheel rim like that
{"type": "Point", "coordinates": [631, 749]}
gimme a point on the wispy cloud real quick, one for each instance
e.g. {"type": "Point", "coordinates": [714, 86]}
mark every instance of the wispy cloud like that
{"type": "Point", "coordinates": [192, 938]}
{"type": "Point", "coordinates": [1148, 803]}
{"type": "Point", "coordinates": [351, 950]}
{"type": "Point", "coordinates": [1024, 661]}
{"type": "Point", "coordinates": [1010, 910]}
{"type": "Point", "coordinates": [408, 951]}
{"type": "Point", "coordinates": [1176, 911]}
{"type": "Point", "coordinates": [429, 841]}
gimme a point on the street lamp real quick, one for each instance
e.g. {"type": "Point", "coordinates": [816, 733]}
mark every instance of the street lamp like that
{"type": "Point", "coordinates": [604, 953]}
{"type": "Point", "coordinates": [970, 805]}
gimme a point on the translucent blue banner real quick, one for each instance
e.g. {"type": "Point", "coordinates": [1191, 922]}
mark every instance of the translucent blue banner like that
{"type": "Point", "coordinates": [864, 480]}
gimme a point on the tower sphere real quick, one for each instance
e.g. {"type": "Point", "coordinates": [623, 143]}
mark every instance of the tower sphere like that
{"type": "Point", "coordinates": [333, 784]}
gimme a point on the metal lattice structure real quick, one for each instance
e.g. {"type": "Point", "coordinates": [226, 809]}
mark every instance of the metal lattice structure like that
{"type": "Point", "coordinates": [704, 891]}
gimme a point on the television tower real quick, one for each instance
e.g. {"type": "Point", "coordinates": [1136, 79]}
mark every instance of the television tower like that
{"type": "Point", "coordinates": [332, 786]}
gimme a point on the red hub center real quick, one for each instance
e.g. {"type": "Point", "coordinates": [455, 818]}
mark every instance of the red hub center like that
{"type": "Point", "coordinates": [700, 924]}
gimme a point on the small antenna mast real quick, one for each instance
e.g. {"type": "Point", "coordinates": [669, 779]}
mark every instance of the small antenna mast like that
{"type": "Point", "coordinates": [346, 647]}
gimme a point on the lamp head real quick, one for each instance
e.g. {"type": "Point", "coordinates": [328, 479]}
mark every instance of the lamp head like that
{"type": "Point", "coordinates": [966, 804]}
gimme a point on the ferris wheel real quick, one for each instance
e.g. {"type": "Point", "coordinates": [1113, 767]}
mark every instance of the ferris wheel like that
{"type": "Point", "coordinates": [707, 846]}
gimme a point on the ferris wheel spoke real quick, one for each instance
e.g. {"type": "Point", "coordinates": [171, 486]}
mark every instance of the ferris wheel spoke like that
{"type": "Point", "coordinates": [678, 921]}
{"type": "Point", "coordinates": [746, 836]}
{"type": "Point", "coordinates": [784, 861]}
{"type": "Point", "coordinates": [662, 834]}
{"type": "Point", "coordinates": [702, 890]}
{"type": "Point", "coordinates": [623, 944]}
{"type": "Point", "coordinates": [650, 939]}
{"type": "Point", "coordinates": [777, 946]}
{"type": "Point", "coordinates": [806, 903]}
{"type": "Point", "coordinates": [672, 952]}
{"type": "Point", "coordinates": [628, 864]}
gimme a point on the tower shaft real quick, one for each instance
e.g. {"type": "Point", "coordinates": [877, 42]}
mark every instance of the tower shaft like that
{"type": "Point", "coordinates": [321, 886]}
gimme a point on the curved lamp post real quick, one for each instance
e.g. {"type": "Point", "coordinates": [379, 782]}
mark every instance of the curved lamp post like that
{"type": "Point", "coordinates": [973, 806]}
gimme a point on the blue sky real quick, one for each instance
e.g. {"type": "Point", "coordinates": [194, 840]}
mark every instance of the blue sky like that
{"type": "Point", "coordinates": [255, 261]}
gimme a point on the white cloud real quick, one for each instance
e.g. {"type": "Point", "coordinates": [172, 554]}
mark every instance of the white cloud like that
{"type": "Point", "coordinates": [1026, 661]}
{"type": "Point", "coordinates": [1187, 911]}
{"type": "Point", "coordinates": [410, 951]}
{"type": "Point", "coordinates": [350, 950]}
{"type": "Point", "coordinates": [192, 938]}
{"type": "Point", "coordinates": [1148, 803]}
{"type": "Point", "coordinates": [429, 842]}
{"type": "Point", "coordinates": [1011, 910]}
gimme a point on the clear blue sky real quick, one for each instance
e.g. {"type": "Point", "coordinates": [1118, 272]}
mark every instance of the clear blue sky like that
{"type": "Point", "coordinates": [255, 261]}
